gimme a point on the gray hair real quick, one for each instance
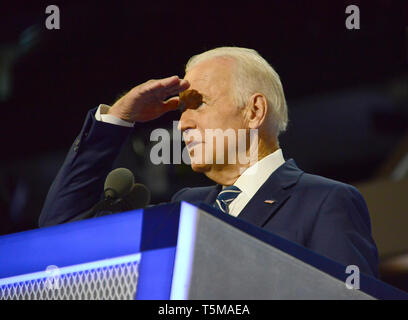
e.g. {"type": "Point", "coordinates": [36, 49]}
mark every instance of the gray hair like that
{"type": "Point", "coordinates": [252, 74]}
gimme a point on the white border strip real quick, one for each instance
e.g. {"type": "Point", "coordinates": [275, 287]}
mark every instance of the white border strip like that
{"type": "Point", "coordinates": [72, 269]}
{"type": "Point", "coordinates": [183, 263]}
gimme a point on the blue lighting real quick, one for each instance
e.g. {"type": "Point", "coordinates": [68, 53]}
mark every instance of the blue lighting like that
{"type": "Point", "coordinates": [71, 244]}
{"type": "Point", "coordinates": [155, 274]}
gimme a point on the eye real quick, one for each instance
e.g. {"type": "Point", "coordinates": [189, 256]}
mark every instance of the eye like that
{"type": "Point", "coordinates": [183, 107]}
{"type": "Point", "coordinates": [191, 99]}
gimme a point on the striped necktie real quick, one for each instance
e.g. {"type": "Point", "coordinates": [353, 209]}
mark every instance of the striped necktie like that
{"type": "Point", "coordinates": [225, 197]}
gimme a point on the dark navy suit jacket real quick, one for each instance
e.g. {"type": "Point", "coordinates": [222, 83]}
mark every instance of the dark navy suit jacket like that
{"type": "Point", "coordinates": [326, 216]}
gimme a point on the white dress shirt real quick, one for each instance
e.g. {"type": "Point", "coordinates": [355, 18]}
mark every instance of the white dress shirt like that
{"type": "Point", "coordinates": [253, 178]}
{"type": "Point", "coordinates": [101, 115]}
{"type": "Point", "coordinates": [249, 182]}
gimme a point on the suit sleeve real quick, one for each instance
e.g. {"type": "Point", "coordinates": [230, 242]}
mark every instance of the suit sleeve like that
{"type": "Point", "coordinates": [178, 195]}
{"type": "Point", "coordinates": [342, 230]}
{"type": "Point", "coordinates": [79, 182]}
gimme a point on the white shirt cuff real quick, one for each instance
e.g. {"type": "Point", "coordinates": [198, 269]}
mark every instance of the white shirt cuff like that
{"type": "Point", "coordinates": [101, 115]}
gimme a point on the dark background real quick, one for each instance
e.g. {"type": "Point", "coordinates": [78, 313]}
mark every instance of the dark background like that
{"type": "Point", "coordinates": [346, 89]}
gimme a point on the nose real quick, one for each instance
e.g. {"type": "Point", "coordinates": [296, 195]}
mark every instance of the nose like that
{"type": "Point", "coordinates": [187, 121]}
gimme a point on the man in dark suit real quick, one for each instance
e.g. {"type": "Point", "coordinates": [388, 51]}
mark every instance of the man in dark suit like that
{"type": "Point", "coordinates": [224, 89]}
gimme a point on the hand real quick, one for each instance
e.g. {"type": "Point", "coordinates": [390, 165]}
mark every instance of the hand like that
{"type": "Point", "coordinates": [145, 102]}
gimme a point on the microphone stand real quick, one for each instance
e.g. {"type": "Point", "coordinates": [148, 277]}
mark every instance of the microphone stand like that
{"type": "Point", "coordinates": [104, 207]}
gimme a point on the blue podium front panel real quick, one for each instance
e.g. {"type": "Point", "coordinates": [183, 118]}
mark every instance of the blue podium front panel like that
{"type": "Point", "coordinates": [99, 258]}
{"type": "Point", "coordinates": [70, 244]}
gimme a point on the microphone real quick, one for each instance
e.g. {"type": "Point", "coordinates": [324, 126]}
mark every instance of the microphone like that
{"type": "Point", "coordinates": [138, 197]}
{"type": "Point", "coordinates": [120, 194]}
{"type": "Point", "coordinates": [118, 183]}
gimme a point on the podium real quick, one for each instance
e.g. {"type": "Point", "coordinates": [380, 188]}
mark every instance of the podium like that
{"type": "Point", "coordinates": [171, 251]}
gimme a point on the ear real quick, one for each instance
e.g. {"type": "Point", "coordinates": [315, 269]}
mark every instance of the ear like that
{"type": "Point", "coordinates": [256, 111]}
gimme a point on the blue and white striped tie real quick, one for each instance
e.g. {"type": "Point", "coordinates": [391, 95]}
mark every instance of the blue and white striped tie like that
{"type": "Point", "coordinates": [225, 197]}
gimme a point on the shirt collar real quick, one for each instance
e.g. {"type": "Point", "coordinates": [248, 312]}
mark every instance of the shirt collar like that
{"type": "Point", "coordinates": [255, 176]}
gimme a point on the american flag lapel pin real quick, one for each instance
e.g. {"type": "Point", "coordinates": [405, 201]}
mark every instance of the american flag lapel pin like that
{"type": "Point", "coordinates": [269, 201]}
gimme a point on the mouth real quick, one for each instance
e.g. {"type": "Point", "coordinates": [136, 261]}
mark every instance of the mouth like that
{"type": "Point", "coordinates": [191, 144]}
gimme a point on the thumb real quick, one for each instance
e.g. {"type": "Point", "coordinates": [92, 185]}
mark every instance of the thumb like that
{"type": "Point", "coordinates": [172, 103]}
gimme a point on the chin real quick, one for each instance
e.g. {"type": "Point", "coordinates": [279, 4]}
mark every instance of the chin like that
{"type": "Point", "coordinates": [200, 167]}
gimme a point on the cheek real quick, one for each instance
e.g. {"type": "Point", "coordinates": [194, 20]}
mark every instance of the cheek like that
{"type": "Point", "coordinates": [220, 116]}
{"type": "Point", "coordinates": [216, 120]}
{"type": "Point", "coordinates": [207, 120]}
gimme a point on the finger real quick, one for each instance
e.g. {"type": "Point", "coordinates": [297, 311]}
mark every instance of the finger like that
{"type": "Point", "coordinates": [174, 83]}
{"type": "Point", "coordinates": [170, 81]}
{"type": "Point", "coordinates": [184, 84]}
{"type": "Point", "coordinates": [176, 89]}
{"type": "Point", "coordinates": [160, 86]}
{"type": "Point", "coordinates": [172, 103]}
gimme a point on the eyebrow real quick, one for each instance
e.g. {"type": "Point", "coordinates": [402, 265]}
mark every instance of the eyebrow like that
{"type": "Point", "coordinates": [204, 96]}
{"type": "Point", "coordinates": [190, 99]}
{"type": "Point", "coordinates": [200, 93]}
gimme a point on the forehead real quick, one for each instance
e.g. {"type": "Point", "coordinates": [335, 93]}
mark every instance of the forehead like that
{"type": "Point", "coordinates": [210, 74]}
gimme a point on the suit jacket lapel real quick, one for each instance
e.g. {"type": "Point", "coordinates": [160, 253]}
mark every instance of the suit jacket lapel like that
{"type": "Point", "coordinates": [278, 188]}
